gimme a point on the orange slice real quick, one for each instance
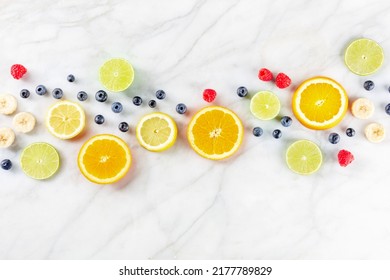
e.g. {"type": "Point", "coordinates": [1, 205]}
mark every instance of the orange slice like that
{"type": "Point", "coordinates": [320, 103]}
{"type": "Point", "coordinates": [215, 133]}
{"type": "Point", "coordinates": [104, 159]}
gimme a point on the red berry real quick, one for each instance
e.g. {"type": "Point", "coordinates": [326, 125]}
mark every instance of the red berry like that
{"type": "Point", "coordinates": [209, 95]}
{"type": "Point", "coordinates": [282, 80]}
{"type": "Point", "coordinates": [18, 71]}
{"type": "Point", "coordinates": [265, 75]}
{"type": "Point", "coordinates": [345, 158]}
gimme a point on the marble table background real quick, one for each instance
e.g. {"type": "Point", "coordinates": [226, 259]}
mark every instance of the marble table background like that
{"type": "Point", "coordinates": [176, 204]}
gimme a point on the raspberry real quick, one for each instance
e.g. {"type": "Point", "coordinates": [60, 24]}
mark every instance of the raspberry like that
{"type": "Point", "coordinates": [282, 80]}
{"type": "Point", "coordinates": [265, 75]}
{"type": "Point", "coordinates": [345, 158]}
{"type": "Point", "coordinates": [18, 71]}
{"type": "Point", "coordinates": [209, 95]}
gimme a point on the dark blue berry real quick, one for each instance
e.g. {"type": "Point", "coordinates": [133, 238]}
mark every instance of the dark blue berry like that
{"type": "Point", "coordinates": [242, 91]}
{"type": "Point", "coordinates": [277, 133]}
{"type": "Point", "coordinates": [70, 78]}
{"type": "Point", "coordinates": [116, 107]}
{"type": "Point", "coordinates": [101, 96]}
{"type": "Point", "coordinates": [388, 89]}
{"type": "Point", "coordinates": [369, 85]}
{"type": "Point", "coordinates": [257, 131]}
{"type": "Point", "coordinates": [286, 121]}
{"type": "Point", "coordinates": [24, 93]}
{"type": "Point", "coordinates": [181, 108]}
{"type": "Point", "coordinates": [137, 101]}
{"type": "Point", "coordinates": [152, 103]}
{"type": "Point", "coordinates": [40, 90]}
{"type": "Point", "coordinates": [123, 126]}
{"type": "Point", "coordinates": [82, 96]}
{"type": "Point", "coordinates": [160, 94]}
{"type": "Point", "coordinates": [334, 138]}
{"type": "Point", "coordinates": [57, 93]}
{"type": "Point", "coordinates": [6, 164]}
{"type": "Point", "coordinates": [350, 132]}
{"type": "Point", "coordinates": [387, 109]}
{"type": "Point", "coordinates": [99, 119]}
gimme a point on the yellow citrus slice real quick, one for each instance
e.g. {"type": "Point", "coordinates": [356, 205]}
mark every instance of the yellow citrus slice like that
{"type": "Point", "coordinates": [65, 119]}
{"type": "Point", "coordinates": [304, 157]}
{"type": "Point", "coordinates": [156, 132]}
{"type": "Point", "coordinates": [104, 159]}
{"type": "Point", "coordinates": [215, 133]}
{"type": "Point", "coordinates": [265, 105]}
{"type": "Point", "coordinates": [320, 103]}
{"type": "Point", "coordinates": [116, 74]}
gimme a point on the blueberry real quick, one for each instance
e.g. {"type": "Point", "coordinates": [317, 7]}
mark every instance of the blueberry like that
{"type": "Point", "coordinates": [277, 133]}
{"type": "Point", "coordinates": [24, 93]}
{"type": "Point", "coordinates": [152, 103]}
{"type": "Point", "coordinates": [82, 96]}
{"type": "Point", "coordinates": [137, 101]}
{"type": "Point", "coordinates": [57, 93]}
{"type": "Point", "coordinates": [123, 126]}
{"type": "Point", "coordinates": [6, 164]}
{"type": "Point", "coordinates": [40, 90]}
{"type": "Point", "coordinates": [369, 85]}
{"type": "Point", "coordinates": [116, 107]}
{"type": "Point", "coordinates": [388, 89]}
{"type": "Point", "coordinates": [350, 132]}
{"type": "Point", "coordinates": [181, 108]}
{"type": "Point", "coordinates": [286, 121]}
{"type": "Point", "coordinates": [242, 91]}
{"type": "Point", "coordinates": [70, 78]}
{"type": "Point", "coordinates": [334, 138]}
{"type": "Point", "coordinates": [257, 131]}
{"type": "Point", "coordinates": [160, 94]}
{"type": "Point", "coordinates": [99, 119]}
{"type": "Point", "coordinates": [387, 109]}
{"type": "Point", "coordinates": [101, 96]}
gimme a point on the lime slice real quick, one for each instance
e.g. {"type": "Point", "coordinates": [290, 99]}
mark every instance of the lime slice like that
{"type": "Point", "coordinates": [265, 105]}
{"type": "Point", "coordinates": [364, 56]}
{"type": "Point", "coordinates": [40, 161]}
{"type": "Point", "coordinates": [304, 157]}
{"type": "Point", "coordinates": [116, 74]}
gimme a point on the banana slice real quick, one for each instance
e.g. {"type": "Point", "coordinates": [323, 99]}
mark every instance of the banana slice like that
{"type": "Point", "coordinates": [24, 122]}
{"type": "Point", "coordinates": [375, 132]}
{"type": "Point", "coordinates": [362, 108]}
{"type": "Point", "coordinates": [7, 137]}
{"type": "Point", "coordinates": [8, 104]}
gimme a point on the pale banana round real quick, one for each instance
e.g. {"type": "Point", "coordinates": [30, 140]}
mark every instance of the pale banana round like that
{"type": "Point", "coordinates": [375, 132]}
{"type": "Point", "coordinates": [362, 108]}
{"type": "Point", "coordinates": [8, 104]}
{"type": "Point", "coordinates": [24, 122]}
{"type": "Point", "coordinates": [7, 137]}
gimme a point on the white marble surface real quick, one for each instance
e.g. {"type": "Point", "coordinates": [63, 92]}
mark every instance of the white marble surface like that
{"type": "Point", "coordinates": [176, 204]}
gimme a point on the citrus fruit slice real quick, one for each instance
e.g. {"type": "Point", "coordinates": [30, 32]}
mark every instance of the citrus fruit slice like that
{"type": "Point", "coordinates": [65, 119]}
{"type": "Point", "coordinates": [116, 74]}
{"type": "Point", "coordinates": [265, 105]}
{"type": "Point", "coordinates": [156, 132]}
{"type": "Point", "coordinates": [215, 132]}
{"type": "Point", "coordinates": [364, 56]}
{"type": "Point", "coordinates": [320, 103]}
{"type": "Point", "coordinates": [303, 157]}
{"type": "Point", "coordinates": [104, 159]}
{"type": "Point", "coordinates": [40, 160]}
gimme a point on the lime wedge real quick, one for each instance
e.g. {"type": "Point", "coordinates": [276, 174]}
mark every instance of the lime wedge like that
{"type": "Point", "coordinates": [116, 74]}
{"type": "Point", "coordinates": [364, 56]}
{"type": "Point", "coordinates": [40, 161]}
{"type": "Point", "coordinates": [265, 105]}
{"type": "Point", "coordinates": [303, 157]}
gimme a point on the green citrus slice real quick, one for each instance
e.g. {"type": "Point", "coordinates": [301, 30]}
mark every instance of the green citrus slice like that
{"type": "Point", "coordinates": [265, 105]}
{"type": "Point", "coordinates": [116, 74]}
{"type": "Point", "coordinates": [304, 157]}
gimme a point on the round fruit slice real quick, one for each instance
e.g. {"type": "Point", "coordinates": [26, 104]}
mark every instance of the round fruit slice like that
{"type": "Point", "coordinates": [304, 157]}
{"type": "Point", "coordinates": [320, 103]}
{"type": "Point", "coordinates": [40, 161]}
{"type": "Point", "coordinates": [375, 132]}
{"type": "Point", "coordinates": [116, 74]}
{"type": "Point", "coordinates": [362, 108]}
{"type": "Point", "coordinates": [8, 104]}
{"type": "Point", "coordinates": [156, 132]}
{"type": "Point", "coordinates": [104, 159]}
{"type": "Point", "coordinates": [265, 105]}
{"type": "Point", "coordinates": [24, 122]}
{"type": "Point", "coordinates": [65, 119]}
{"type": "Point", "coordinates": [7, 137]}
{"type": "Point", "coordinates": [364, 56]}
{"type": "Point", "coordinates": [215, 133]}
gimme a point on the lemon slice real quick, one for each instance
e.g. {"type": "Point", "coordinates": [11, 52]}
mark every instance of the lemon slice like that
{"type": "Point", "coordinates": [65, 119]}
{"type": "Point", "coordinates": [265, 105]}
{"type": "Point", "coordinates": [40, 161]}
{"type": "Point", "coordinates": [116, 74]}
{"type": "Point", "coordinates": [364, 56]}
{"type": "Point", "coordinates": [304, 157]}
{"type": "Point", "coordinates": [156, 132]}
